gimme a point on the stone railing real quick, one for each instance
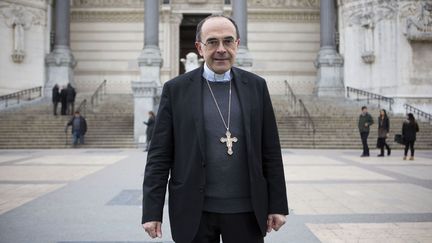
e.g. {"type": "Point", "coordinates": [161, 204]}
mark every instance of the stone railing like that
{"type": "Point", "coordinates": [418, 112]}
{"type": "Point", "coordinates": [369, 96]}
{"type": "Point", "coordinates": [17, 97]}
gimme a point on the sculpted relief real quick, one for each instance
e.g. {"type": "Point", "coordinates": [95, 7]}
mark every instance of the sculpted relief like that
{"type": "Point", "coordinates": [20, 18]}
{"type": "Point", "coordinates": [372, 11]}
{"type": "Point", "coordinates": [285, 3]}
{"type": "Point", "coordinates": [419, 25]}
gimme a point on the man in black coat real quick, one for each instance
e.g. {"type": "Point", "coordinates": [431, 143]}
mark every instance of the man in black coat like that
{"type": "Point", "coordinates": [55, 98]}
{"type": "Point", "coordinates": [70, 99]}
{"type": "Point", "coordinates": [79, 128]}
{"type": "Point", "coordinates": [216, 140]}
{"type": "Point", "coordinates": [63, 101]}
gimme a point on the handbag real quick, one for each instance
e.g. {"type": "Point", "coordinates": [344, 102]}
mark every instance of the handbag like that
{"type": "Point", "coordinates": [398, 138]}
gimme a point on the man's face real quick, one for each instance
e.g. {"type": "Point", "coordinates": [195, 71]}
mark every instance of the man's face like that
{"type": "Point", "coordinates": [364, 110]}
{"type": "Point", "coordinates": [220, 57]}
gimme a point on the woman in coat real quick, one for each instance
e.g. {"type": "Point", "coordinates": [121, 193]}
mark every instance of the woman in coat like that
{"type": "Point", "coordinates": [410, 129]}
{"type": "Point", "coordinates": [150, 125]}
{"type": "Point", "coordinates": [383, 131]}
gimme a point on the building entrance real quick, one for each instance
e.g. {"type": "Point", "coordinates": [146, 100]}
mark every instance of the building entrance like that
{"type": "Point", "coordinates": [187, 35]}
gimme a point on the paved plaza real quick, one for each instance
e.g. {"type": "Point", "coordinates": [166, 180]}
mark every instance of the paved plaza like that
{"type": "Point", "coordinates": [88, 195]}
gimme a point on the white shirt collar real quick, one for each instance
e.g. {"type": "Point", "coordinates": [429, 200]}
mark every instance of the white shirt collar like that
{"type": "Point", "coordinates": [214, 77]}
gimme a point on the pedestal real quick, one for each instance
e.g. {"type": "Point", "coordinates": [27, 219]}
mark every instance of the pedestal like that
{"type": "Point", "coordinates": [144, 101]}
{"type": "Point", "coordinates": [329, 81]}
{"type": "Point", "coordinates": [150, 62]}
{"type": "Point", "coordinates": [244, 59]}
{"type": "Point", "coordinates": [146, 90]}
{"type": "Point", "coordinates": [60, 63]}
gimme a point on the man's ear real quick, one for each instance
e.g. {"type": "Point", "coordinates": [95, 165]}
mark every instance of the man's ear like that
{"type": "Point", "coordinates": [198, 46]}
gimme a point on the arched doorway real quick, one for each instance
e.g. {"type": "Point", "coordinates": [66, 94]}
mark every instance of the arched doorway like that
{"type": "Point", "coordinates": [187, 35]}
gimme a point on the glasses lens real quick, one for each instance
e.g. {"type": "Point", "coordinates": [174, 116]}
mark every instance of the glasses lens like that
{"type": "Point", "coordinates": [214, 43]}
{"type": "Point", "coordinates": [229, 42]}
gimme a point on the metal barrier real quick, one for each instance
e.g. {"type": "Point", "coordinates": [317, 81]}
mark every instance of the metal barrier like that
{"type": "Point", "coordinates": [98, 95]}
{"type": "Point", "coordinates": [300, 110]}
{"type": "Point", "coordinates": [82, 108]}
{"type": "Point", "coordinates": [370, 96]}
{"type": "Point", "coordinates": [27, 94]}
{"type": "Point", "coordinates": [292, 99]}
{"type": "Point", "coordinates": [418, 112]}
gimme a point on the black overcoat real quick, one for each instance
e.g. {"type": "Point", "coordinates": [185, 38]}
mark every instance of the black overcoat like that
{"type": "Point", "coordinates": [177, 153]}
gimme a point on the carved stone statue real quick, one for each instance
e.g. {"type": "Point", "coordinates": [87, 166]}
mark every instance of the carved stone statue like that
{"type": "Point", "coordinates": [191, 62]}
{"type": "Point", "coordinates": [419, 27]}
{"type": "Point", "coordinates": [368, 53]}
{"type": "Point", "coordinates": [18, 52]}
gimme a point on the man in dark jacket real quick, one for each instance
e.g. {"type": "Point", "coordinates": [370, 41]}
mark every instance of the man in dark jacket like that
{"type": "Point", "coordinates": [410, 129]}
{"type": "Point", "coordinates": [70, 99]}
{"type": "Point", "coordinates": [55, 98]}
{"type": "Point", "coordinates": [216, 144]}
{"type": "Point", "coordinates": [63, 100]}
{"type": "Point", "coordinates": [364, 123]}
{"type": "Point", "coordinates": [79, 128]}
{"type": "Point", "coordinates": [150, 126]}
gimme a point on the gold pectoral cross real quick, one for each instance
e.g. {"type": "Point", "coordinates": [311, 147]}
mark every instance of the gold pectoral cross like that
{"type": "Point", "coordinates": [229, 141]}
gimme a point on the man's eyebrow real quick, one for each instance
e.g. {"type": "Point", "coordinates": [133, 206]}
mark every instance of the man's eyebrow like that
{"type": "Point", "coordinates": [211, 38]}
{"type": "Point", "coordinates": [224, 38]}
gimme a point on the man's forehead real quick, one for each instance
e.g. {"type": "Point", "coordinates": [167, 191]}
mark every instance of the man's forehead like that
{"type": "Point", "coordinates": [219, 26]}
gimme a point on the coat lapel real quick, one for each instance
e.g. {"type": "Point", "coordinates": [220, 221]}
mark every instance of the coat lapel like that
{"type": "Point", "coordinates": [244, 94]}
{"type": "Point", "coordinates": [197, 102]}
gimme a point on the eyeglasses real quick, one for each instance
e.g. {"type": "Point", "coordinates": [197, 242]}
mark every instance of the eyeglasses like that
{"type": "Point", "coordinates": [212, 44]}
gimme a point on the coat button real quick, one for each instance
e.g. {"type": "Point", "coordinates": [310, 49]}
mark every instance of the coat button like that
{"type": "Point", "coordinates": [201, 189]}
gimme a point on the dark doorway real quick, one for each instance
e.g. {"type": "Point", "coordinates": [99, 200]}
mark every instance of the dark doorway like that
{"type": "Point", "coordinates": [187, 35]}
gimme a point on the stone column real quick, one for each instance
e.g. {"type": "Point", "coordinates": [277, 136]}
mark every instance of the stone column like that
{"type": "Point", "coordinates": [244, 59]}
{"type": "Point", "coordinates": [149, 62]}
{"type": "Point", "coordinates": [329, 63]}
{"type": "Point", "coordinates": [60, 61]}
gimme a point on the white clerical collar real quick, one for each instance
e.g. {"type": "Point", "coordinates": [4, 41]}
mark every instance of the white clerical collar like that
{"type": "Point", "coordinates": [214, 77]}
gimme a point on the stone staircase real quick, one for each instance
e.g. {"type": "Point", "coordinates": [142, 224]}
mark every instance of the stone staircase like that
{"type": "Point", "coordinates": [109, 126]}
{"type": "Point", "coordinates": [336, 125]}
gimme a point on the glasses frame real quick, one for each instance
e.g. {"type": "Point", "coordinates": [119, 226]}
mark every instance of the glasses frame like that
{"type": "Point", "coordinates": [235, 41]}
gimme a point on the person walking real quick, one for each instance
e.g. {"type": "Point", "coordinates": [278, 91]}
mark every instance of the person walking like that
{"type": "Point", "coordinates": [216, 139]}
{"type": "Point", "coordinates": [364, 123]}
{"type": "Point", "coordinates": [410, 129]}
{"type": "Point", "coordinates": [383, 132]}
{"type": "Point", "coordinates": [79, 128]}
{"type": "Point", "coordinates": [149, 131]}
{"type": "Point", "coordinates": [55, 98]}
{"type": "Point", "coordinates": [63, 100]}
{"type": "Point", "coordinates": [70, 99]}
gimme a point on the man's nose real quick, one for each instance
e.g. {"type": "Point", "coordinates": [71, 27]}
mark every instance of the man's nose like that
{"type": "Point", "coordinates": [221, 48]}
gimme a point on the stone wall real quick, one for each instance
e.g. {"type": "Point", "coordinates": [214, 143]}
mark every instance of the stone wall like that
{"type": "Point", "coordinates": [284, 50]}
{"type": "Point", "coordinates": [106, 40]}
{"type": "Point", "coordinates": [24, 38]}
{"type": "Point", "coordinates": [283, 39]}
{"type": "Point", "coordinates": [382, 53]}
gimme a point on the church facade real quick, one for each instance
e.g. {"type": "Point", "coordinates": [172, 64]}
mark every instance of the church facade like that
{"type": "Point", "coordinates": [320, 47]}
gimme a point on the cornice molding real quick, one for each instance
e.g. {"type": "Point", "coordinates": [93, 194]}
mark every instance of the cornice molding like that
{"type": "Point", "coordinates": [290, 4]}
{"type": "Point", "coordinates": [107, 16]}
{"type": "Point", "coordinates": [308, 16]}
